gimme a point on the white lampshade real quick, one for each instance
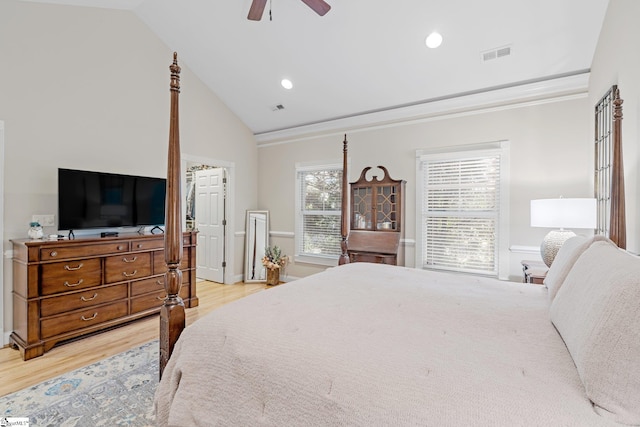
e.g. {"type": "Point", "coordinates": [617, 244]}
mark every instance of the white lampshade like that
{"type": "Point", "coordinates": [561, 213]}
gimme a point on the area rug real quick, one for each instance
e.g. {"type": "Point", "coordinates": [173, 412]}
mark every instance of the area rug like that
{"type": "Point", "coordinates": [117, 391]}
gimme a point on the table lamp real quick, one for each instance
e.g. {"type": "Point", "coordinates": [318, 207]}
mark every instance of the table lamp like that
{"type": "Point", "coordinates": [561, 214]}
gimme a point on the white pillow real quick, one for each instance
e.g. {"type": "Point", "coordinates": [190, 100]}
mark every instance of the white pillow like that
{"type": "Point", "coordinates": [597, 312]}
{"type": "Point", "coordinates": [562, 263]}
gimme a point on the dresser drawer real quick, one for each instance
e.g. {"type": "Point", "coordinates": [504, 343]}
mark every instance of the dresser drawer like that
{"type": "Point", "coordinates": [152, 284]}
{"type": "Point", "coordinates": [144, 286]}
{"type": "Point", "coordinates": [80, 300]}
{"type": "Point", "coordinates": [147, 244]}
{"type": "Point", "coordinates": [189, 240]}
{"type": "Point", "coordinates": [127, 267]}
{"type": "Point", "coordinates": [147, 301]}
{"type": "Point", "coordinates": [153, 300]}
{"type": "Point", "coordinates": [51, 253]}
{"type": "Point", "coordinates": [53, 326]}
{"type": "Point", "coordinates": [69, 276]}
{"type": "Point", "coordinates": [160, 265]}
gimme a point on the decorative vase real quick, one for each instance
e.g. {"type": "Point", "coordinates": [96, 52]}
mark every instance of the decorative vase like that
{"type": "Point", "coordinates": [35, 231]}
{"type": "Point", "coordinates": [273, 276]}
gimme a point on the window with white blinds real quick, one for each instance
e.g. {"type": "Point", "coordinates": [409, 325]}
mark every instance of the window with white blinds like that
{"type": "Point", "coordinates": [318, 209]}
{"type": "Point", "coordinates": [461, 211]}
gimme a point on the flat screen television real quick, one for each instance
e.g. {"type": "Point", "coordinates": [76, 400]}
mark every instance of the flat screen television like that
{"type": "Point", "coordinates": [104, 200]}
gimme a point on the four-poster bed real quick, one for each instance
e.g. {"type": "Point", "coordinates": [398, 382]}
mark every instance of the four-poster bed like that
{"type": "Point", "coordinates": [373, 344]}
{"type": "Point", "coordinates": [172, 315]}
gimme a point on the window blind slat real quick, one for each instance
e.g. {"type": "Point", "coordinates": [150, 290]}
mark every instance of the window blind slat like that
{"type": "Point", "coordinates": [319, 200]}
{"type": "Point", "coordinates": [460, 212]}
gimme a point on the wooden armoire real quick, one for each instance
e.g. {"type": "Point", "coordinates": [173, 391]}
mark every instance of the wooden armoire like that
{"type": "Point", "coordinates": [377, 219]}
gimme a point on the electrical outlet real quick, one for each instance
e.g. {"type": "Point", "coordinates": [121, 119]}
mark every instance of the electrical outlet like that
{"type": "Point", "coordinates": [45, 220]}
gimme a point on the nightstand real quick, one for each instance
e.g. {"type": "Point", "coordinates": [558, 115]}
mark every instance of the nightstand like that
{"type": "Point", "coordinates": [534, 271]}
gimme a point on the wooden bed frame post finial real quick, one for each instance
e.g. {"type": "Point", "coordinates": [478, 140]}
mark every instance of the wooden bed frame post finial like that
{"type": "Point", "coordinates": [175, 73]}
{"type": "Point", "coordinates": [172, 314]}
{"type": "Point", "coordinates": [344, 226]}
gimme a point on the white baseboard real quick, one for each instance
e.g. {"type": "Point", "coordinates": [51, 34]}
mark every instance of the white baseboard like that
{"type": "Point", "coordinates": [238, 278]}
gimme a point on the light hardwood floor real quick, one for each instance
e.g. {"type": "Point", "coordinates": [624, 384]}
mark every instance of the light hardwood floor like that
{"type": "Point", "coordinates": [17, 374]}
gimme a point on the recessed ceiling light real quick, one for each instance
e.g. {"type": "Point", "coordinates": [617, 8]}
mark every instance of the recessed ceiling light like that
{"type": "Point", "coordinates": [433, 40]}
{"type": "Point", "coordinates": [286, 83]}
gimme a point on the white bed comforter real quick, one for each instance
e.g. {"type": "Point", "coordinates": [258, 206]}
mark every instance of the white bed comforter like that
{"type": "Point", "coordinates": [370, 344]}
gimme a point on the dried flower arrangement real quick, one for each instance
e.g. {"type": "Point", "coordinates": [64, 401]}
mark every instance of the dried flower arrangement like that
{"type": "Point", "coordinates": [273, 258]}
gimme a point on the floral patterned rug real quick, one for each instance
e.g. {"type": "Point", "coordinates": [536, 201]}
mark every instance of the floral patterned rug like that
{"type": "Point", "coordinates": [117, 391]}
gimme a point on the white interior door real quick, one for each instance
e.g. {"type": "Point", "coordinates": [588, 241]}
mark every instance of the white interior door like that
{"type": "Point", "coordinates": [210, 222]}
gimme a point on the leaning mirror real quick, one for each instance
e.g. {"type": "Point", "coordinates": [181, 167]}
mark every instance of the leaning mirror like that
{"type": "Point", "coordinates": [256, 241]}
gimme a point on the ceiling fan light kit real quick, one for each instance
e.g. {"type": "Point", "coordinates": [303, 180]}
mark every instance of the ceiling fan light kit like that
{"type": "Point", "coordinates": [257, 8]}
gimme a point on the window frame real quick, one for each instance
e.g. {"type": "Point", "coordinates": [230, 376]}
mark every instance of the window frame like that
{"type": "Point", "coordinates": [299, 257]}
{"type": "Point", "coordinates": [500, 148]}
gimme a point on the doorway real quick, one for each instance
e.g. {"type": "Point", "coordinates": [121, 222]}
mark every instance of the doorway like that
{"type": "Point", "coordinates": [206, 212]}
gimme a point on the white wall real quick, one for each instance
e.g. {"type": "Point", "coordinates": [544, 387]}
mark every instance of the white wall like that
{"type": "Point", "coordinates": [88, 88]}
{"type": "Point", "coordinates": [617, 61]}
{"type": "Point", "coordinates": [551, 155]}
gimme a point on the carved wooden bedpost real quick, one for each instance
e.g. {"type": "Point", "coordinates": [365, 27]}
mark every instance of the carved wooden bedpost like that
{"type": "Point", "coordinates": [617, 228]}
{"type": "Point", "coordinates": [344, 227]}
{"type": "Point", "coordinates": [172, 315]}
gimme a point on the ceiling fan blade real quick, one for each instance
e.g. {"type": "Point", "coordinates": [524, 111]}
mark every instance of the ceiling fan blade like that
{"type": "Point", "coordinates": [319, 6]}
{"type": "Point", "coordinates": [256, 10]}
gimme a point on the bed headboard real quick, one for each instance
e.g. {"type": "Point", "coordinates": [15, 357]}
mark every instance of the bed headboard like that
{"type": "Point", "coordinates": [172, 315]}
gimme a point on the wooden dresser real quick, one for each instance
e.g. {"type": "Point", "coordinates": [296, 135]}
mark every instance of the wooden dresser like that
{"type": "Point", "coordinates": [67, 288]}
{"type": "Point", "coordinates": [377, 216]}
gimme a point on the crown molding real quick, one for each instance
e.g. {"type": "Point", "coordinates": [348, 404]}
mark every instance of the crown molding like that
{"type": "Point", "coordinates": [509, 97]}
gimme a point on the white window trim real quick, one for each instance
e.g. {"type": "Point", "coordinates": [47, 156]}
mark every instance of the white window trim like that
{"type": "Point", "coordinates": [323, 260]}
{"type": "Point", "coordinates": [489, 148]}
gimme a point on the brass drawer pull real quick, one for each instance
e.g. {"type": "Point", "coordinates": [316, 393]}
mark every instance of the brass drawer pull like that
{"type": "Point", "coordinates": [120, 248]}
{"type": "Point", "coordinates": [89, 299]}
{"type": "Point", "coordinates": [71, 285]}
{"type": "Point", "coordinates": [159, 282]}
{"type": "Point", "coordinates": [53, 253]}
{"type": "Point", "coordinates": [162, 298]}
{"type": "Point", "coordinates": [90, 318]}
{"type": "Point", "coordinates": [139, 245]}
{"type": "Point", "coordinates": [68, 268]}
{"type": "Point", "coordinates": [130, 260]}
{"type": "Point", "coordinates": [125, 274]}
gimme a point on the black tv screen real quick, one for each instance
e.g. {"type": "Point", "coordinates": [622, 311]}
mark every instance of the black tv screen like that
{"type": "Point", "coordinates": [103, 200]}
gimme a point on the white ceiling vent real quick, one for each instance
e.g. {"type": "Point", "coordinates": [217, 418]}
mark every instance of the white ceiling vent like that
{"type": "Point", "coordinates": [500, 52]}
{"type": "Point", "coordinates": [277, 107]}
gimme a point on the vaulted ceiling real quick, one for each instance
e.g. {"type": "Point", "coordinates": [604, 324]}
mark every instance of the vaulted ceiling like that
{"type": "Point", "coordinates": [365, 57]}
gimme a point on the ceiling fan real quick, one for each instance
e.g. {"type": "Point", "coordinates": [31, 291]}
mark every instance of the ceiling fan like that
{"type": "Point", "coordinates": [257, 8]}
